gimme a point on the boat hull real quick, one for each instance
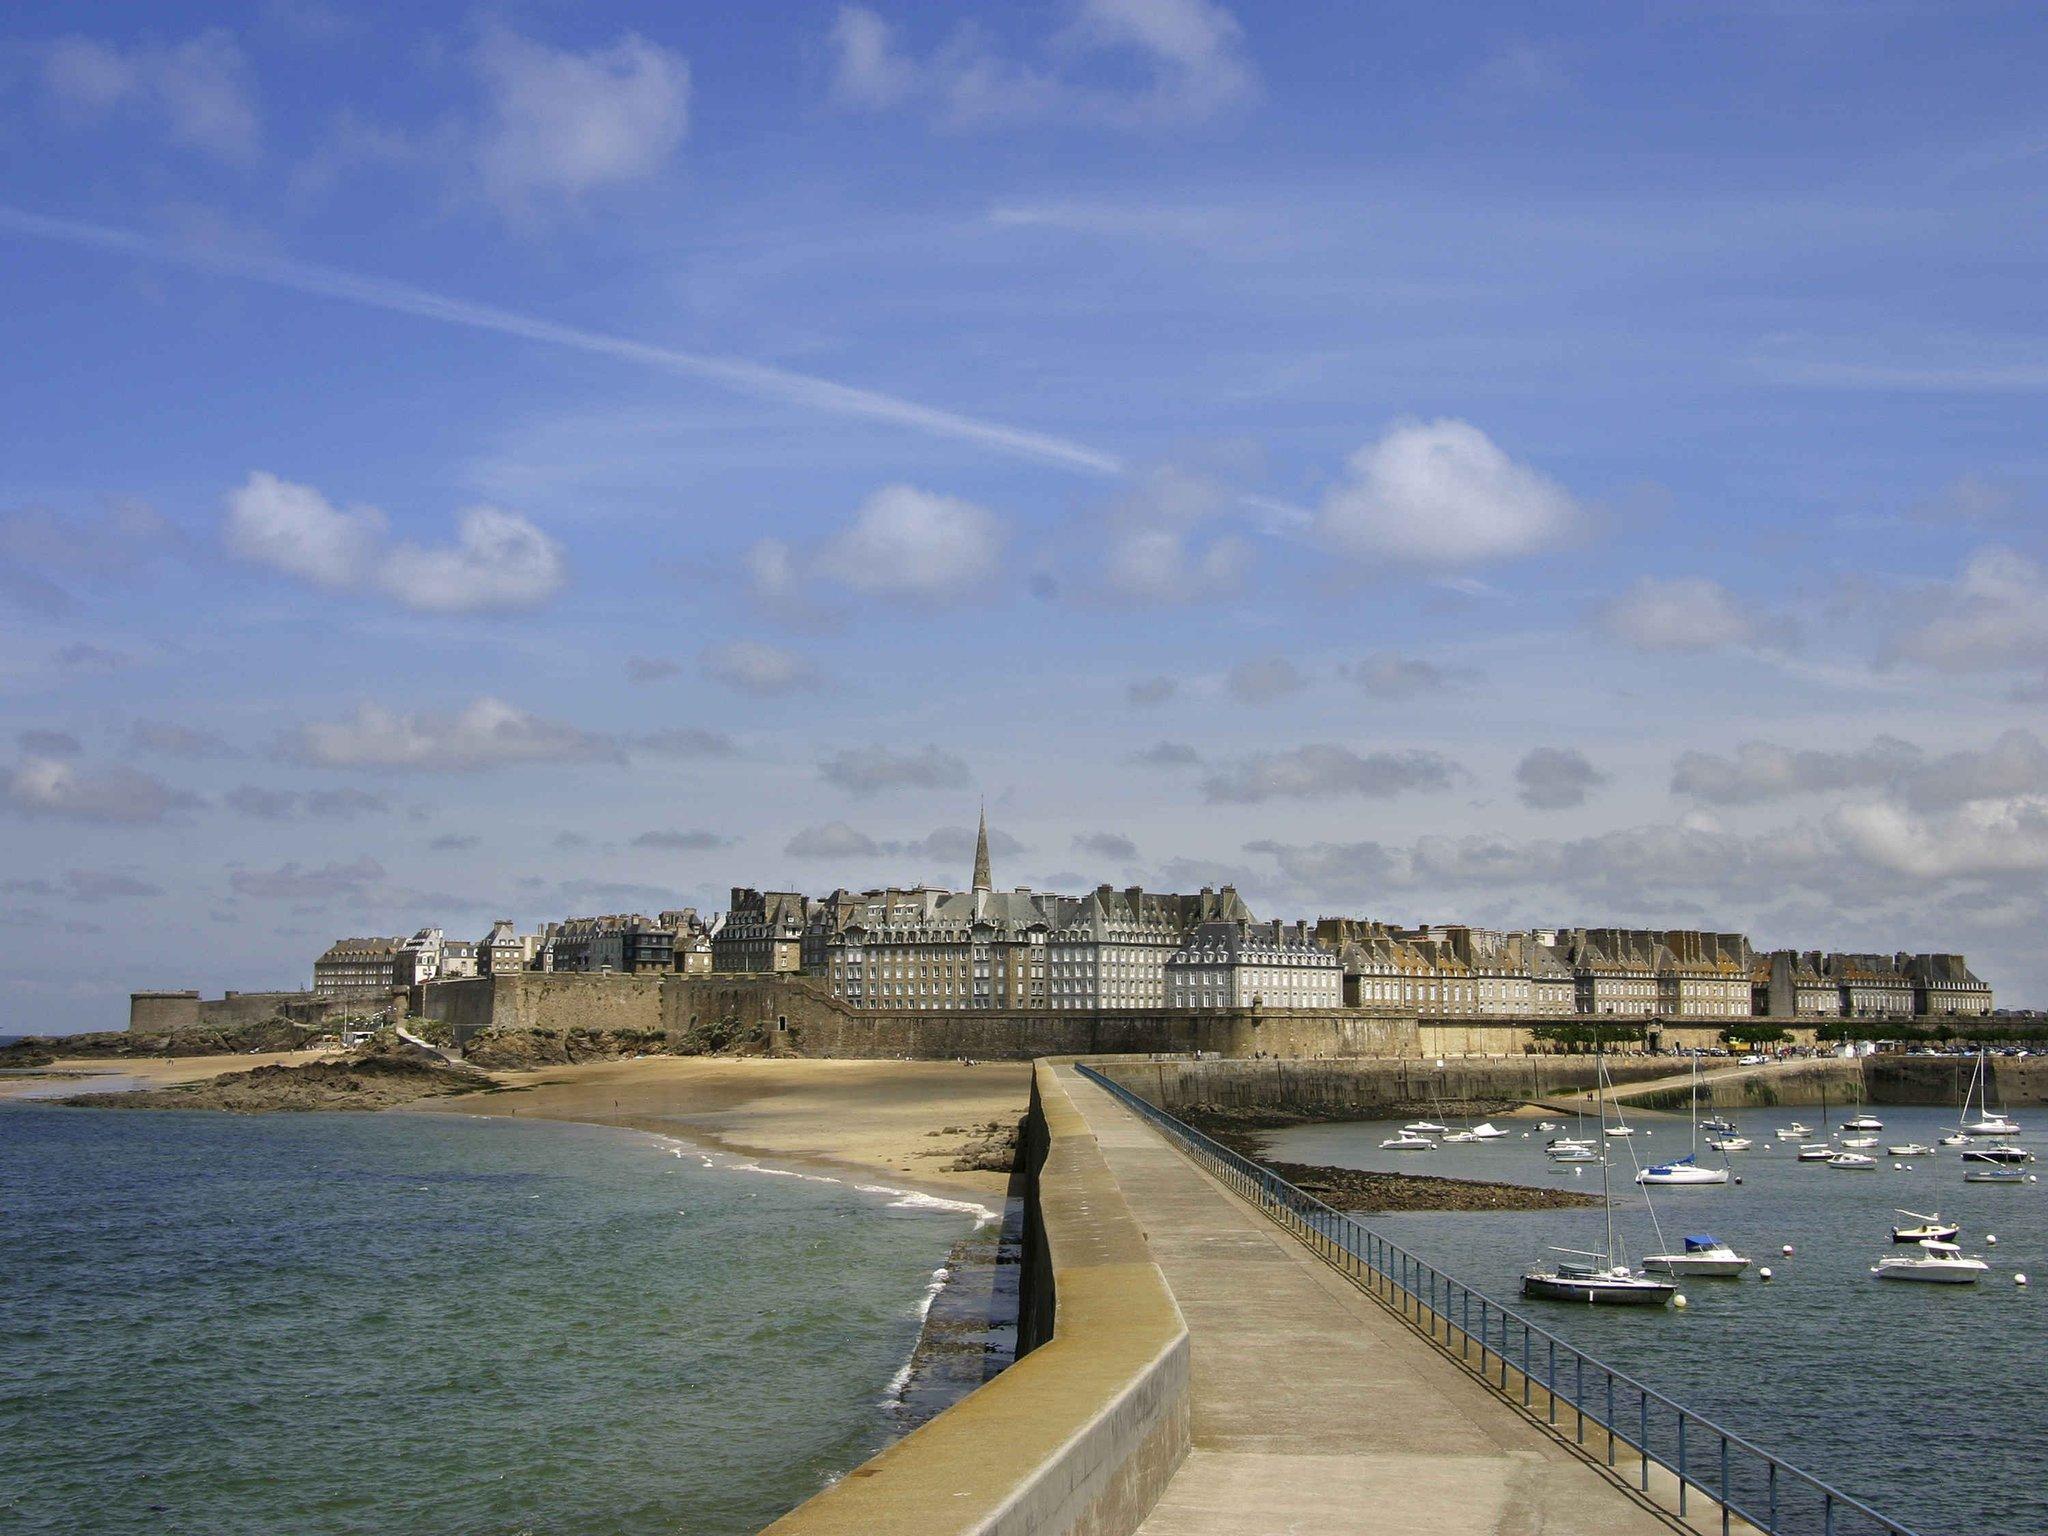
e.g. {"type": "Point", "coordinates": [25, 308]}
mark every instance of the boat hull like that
{"type": "Point", "coordinates": [1679, 1264]}
{"type": "Point", "coordinates": [1598, 1293]}
{"type": "Point", "coordinates": [1679, 1177]}
{"type": "Point", "coordinates": [1926, 1275]}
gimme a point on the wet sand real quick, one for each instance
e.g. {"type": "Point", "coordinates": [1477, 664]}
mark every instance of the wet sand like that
{"type": "Point", "coordinates": [97, 1074]}
{"type": "Point", "coordinates": [868, 1118]}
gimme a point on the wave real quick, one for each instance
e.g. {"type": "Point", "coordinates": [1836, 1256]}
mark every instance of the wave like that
{"type": "Point", "coordinates": [917, 1200]}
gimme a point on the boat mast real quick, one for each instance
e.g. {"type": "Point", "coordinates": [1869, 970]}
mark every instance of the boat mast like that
{"type": "Point", "coordinates": [1600, 1090]}
{"type": "Point", "coordinates": [1695, 1106]}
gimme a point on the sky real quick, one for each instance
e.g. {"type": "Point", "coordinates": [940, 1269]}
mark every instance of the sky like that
{"type": "Point", "coordinates": [1577, 465]}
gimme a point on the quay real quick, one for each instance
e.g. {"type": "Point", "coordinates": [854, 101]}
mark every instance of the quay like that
{"type": "Point", "coordinates": [1200, 1369]}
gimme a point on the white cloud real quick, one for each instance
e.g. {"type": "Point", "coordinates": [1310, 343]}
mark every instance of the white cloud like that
{"type": "Point", "coordinates": [58, 790]}
{"type": "Point", "coordinates": [487, 733]}
{"type": "Point", "coordinates": [755, 667]}
{"type": "Point", "coordinates": [1681, 613]}
{"type": "Point", "coordinates": [1321, 771]}
{"type": "Point", "coordinates": [869, 770]}
{"type": "Point", "coordinates": [1179, 62]}
{"type": "Point", "coordinates": [500, 561]}
{"type": "Point", "coordinates": [1993, 616]}
{"type": "Point", "coordinates": [562, 123]}
{"type": "Point", "coordinates": [1155, 552]}
{"type": "Point", "coordinates": [1556, 778]}
{"type": "Point", "coordinates": [1978, 838]}
{"type": "Point", "coordinates": [908, 543]}
{"type": "Point", "coordinates": [198, 89]}
{"type": "Point", "coordinates": [1440, 494]}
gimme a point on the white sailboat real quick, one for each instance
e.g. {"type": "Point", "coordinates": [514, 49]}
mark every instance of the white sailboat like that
{"type": "Point", "coordinates": [1726, 1144]}
{"type": "Point", "coordinates": [1486, 1130]}
{"type": "Point", "coordinates": [1597, 1279]}
{"type": "Point", "coordinates": [1687, 1170]}
{"type": "Point", "coordinates": [1424, 1128]}
{"type": "Point", "coordinates": [1988, 1123]}
{"type": "Point", "coordinates": [1408, 1141]}
{"type": "Point", "coordinates": [1927, 1227]}
{"type": "Point", "coordinates": [1853, 1162]}
{"type": "Point", "coordinates": [1909, 1149]}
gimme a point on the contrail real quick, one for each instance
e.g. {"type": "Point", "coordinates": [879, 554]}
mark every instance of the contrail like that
{"type": "Point", "coordinates": [758, 379]}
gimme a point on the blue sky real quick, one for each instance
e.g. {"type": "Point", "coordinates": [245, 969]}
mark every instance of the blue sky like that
{"type": "Point", "coordinates": [1524, 467]}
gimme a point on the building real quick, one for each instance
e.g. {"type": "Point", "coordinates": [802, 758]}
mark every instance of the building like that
{"type": "Point", "coordinates": [505, 949]}
{"type": "Point", "coordinates": [359, 969]}
{"type": "Point", "coordinates": [1871, 986]}
{"type": "Point", "coordinates": [1449, 970]}
{"type": "Point", "coordinates": [1705, 975]}
{"type": "Point", "coordinates": [1793, 984]}
{"type": "Point", "coordinates": [430, 955]}
{"type": "Point", "coordinates": [1944, 987]}
{"type": "Point", "coordinates": [1614, 970]}
{"type": "Point", "coordinates": [1111, 946]}
{"type": "Point", "coordinates": [693, 941]}
{"type": "Point", "coordinates": [762, 931]}
{"type": "Point", "coordinates": [626, 944]}
{"type": "Point", "coordinates": [1242, 964]}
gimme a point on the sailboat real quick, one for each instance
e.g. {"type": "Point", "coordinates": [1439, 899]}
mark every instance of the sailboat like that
{"type": "Point", "coordinates": [1605, 1280]}
{"type": "Point", "coordinates": [1987, 1122]}
{"type": "Point", "coordinates": [1929, 1226]}
{"type": "Point", "coordinates": [1823, 1150]}
{"type": "Point", "coordinates": [1686, 1169]}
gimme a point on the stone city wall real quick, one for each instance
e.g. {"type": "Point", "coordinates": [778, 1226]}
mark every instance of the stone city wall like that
{"type": "Point", "coordinates": [167, 1012]}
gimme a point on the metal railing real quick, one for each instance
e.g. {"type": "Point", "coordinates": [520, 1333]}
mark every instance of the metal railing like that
{"type": "Point", "coordinates": [1680, 1457]}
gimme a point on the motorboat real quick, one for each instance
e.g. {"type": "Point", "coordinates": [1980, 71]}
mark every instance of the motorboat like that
{"type": "Point", "coordinates": [1574, 1154]}
{"type": "Point", "coordinates": [1853, 1162]}
{"type": "Point", "coordinates": [1705, 1256]}
{"type": "Point", "coordinates": [1798, 1130]}
{"type": "Point", "coordinates": [1621, 1130]}
{"type": "Point", "coordinates": [1611, 1285]}
{"type": "Point", "coordinates": [1996, 1176]}
{"type": "Point", "coordinates": [1567, 1143]}
{"type": "Point", "coordinates": [1936, 1263]}
{"type": "Point", "coordinates": [1408, 1141]}
{"type": "Point", "coordinates": [1930, 1228]}
{"type": "Point", "coordinates": [1486, 1130]}
{"type": "Point", "coordinates": [1459, 1138]}
{"type": "Point", "coordinates": [1425, 1128]}
{"type": "Point", "coordinates": [1859, 1142]}
{"type": "Point", "coordinates": [1863, 1123]}
{"type": "Point", "coordinates": [1729, 1143]}
{"type": "Point", "coordinates": [1997, 1152]}
{"type": "Point", "coordinates": [1682, 1170]}
{"type": "Point", "coordinates": [1816, 1151]}
{"type": "Point", "coordinates": [1909, 1149]}
{"type": "Point", "coordinates": [1957, 1139]}
{"type": "Point", "coordinates": [1717, 1125]}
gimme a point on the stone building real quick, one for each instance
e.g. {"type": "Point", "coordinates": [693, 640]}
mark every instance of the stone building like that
{"type": "Point", "coordinates": [505, 949]}
{"type": "Point", "coordinates": [1614, 970]}
{"type": "Point", "coordinates": [1792, 984]}
{"type": "Point", "coordinates": [1238, 963]}
{"type": "Point", "coordinates": [623, 943]}
{"type": "Point", "coordinates": [358, 969]}
{"type": "Point", "coordinates": [763, 931]}
{"type": "Point", "coordinates": [1871, 986]}
{"type": "Point", "coordinates": [430, 955]}
{"type": "Point", "coordinates": [1111, 946]}
{"type": "Point", "coordinates": [693, 941]}
{"type": "Point", "coordinates": [1449, 970]}
{"type": "Point", "coordinates": [1945, 987]}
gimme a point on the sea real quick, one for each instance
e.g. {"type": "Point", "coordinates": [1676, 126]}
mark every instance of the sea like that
{"type": "Point", "coordinates": [1923, 1401]}
{"type": "Point", "coordinates": [218, 1324]}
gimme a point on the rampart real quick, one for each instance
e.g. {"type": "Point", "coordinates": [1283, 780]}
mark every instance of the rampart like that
{"type": "Point", "coordinates": [1085, 1430]}
{"type": "Point", "coordinates": [168, 1012]}
{"type": "Point", "coordinates": [1365, 1090]}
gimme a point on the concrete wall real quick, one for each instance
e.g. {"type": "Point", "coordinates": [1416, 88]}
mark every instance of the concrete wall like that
{"type": "Point", "coordinates": [1365, 1090]}
{"type": "Point", "coordinates": [1082, 1434]}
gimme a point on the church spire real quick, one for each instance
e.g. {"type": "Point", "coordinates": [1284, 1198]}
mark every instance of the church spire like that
{"type": "Point", "coordinates": [983, 881]}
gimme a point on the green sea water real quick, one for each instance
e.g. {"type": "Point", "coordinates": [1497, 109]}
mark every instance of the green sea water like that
{"type": "Point", "coordinates": [434, 1323]}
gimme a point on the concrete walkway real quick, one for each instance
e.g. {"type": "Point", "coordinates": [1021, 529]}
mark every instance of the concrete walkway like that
{"type": "Point", "coordinates": [1315, 1409]}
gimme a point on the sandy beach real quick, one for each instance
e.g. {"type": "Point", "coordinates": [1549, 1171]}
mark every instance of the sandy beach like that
{"type": "Point", "coordinates": [904, 1120]}
{"type": "Point", "coordinates": [91, 1074]}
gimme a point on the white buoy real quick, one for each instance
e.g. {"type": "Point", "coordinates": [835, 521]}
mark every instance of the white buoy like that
{"type": "Point", "coordinates": [1898, 1167]}
{"type": "Point", "coordinates": [2019, 1279]}
{"type": "Point", "coordinates": [1787, 1250]}
{"type": "Point", "coordinates": [1679, 1301]}
{"type": "Point", "coordinates": [1991, 1238]}
{"type": "Point", "coordinates": [1764, 1273]}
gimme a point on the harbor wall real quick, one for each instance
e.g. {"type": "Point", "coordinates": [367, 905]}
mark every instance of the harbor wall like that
{"type": "Point", "coordinates": [1366, 1090]}
{"type": "Point", "coordinates": [1081, 1435]}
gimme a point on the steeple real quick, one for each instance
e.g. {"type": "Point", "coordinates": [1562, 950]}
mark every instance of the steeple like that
{"type": "Point", "coordinates": [983, 881]}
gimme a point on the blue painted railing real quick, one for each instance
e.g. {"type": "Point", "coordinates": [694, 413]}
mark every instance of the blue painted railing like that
{"type": "Point", "coordinates": [1555, 1381]}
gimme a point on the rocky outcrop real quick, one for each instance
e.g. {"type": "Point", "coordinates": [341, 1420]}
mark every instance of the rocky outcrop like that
{"type": "Point", "coordinates": [372, 1081]}
{"type": "Point", "coordinates": [514, 1050]}
{"type": "Point", "coordinates": [275, 1034]}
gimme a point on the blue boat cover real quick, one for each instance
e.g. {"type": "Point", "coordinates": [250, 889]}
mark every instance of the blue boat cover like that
{"type": "Point", "coordinates": [1695, 1244]}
